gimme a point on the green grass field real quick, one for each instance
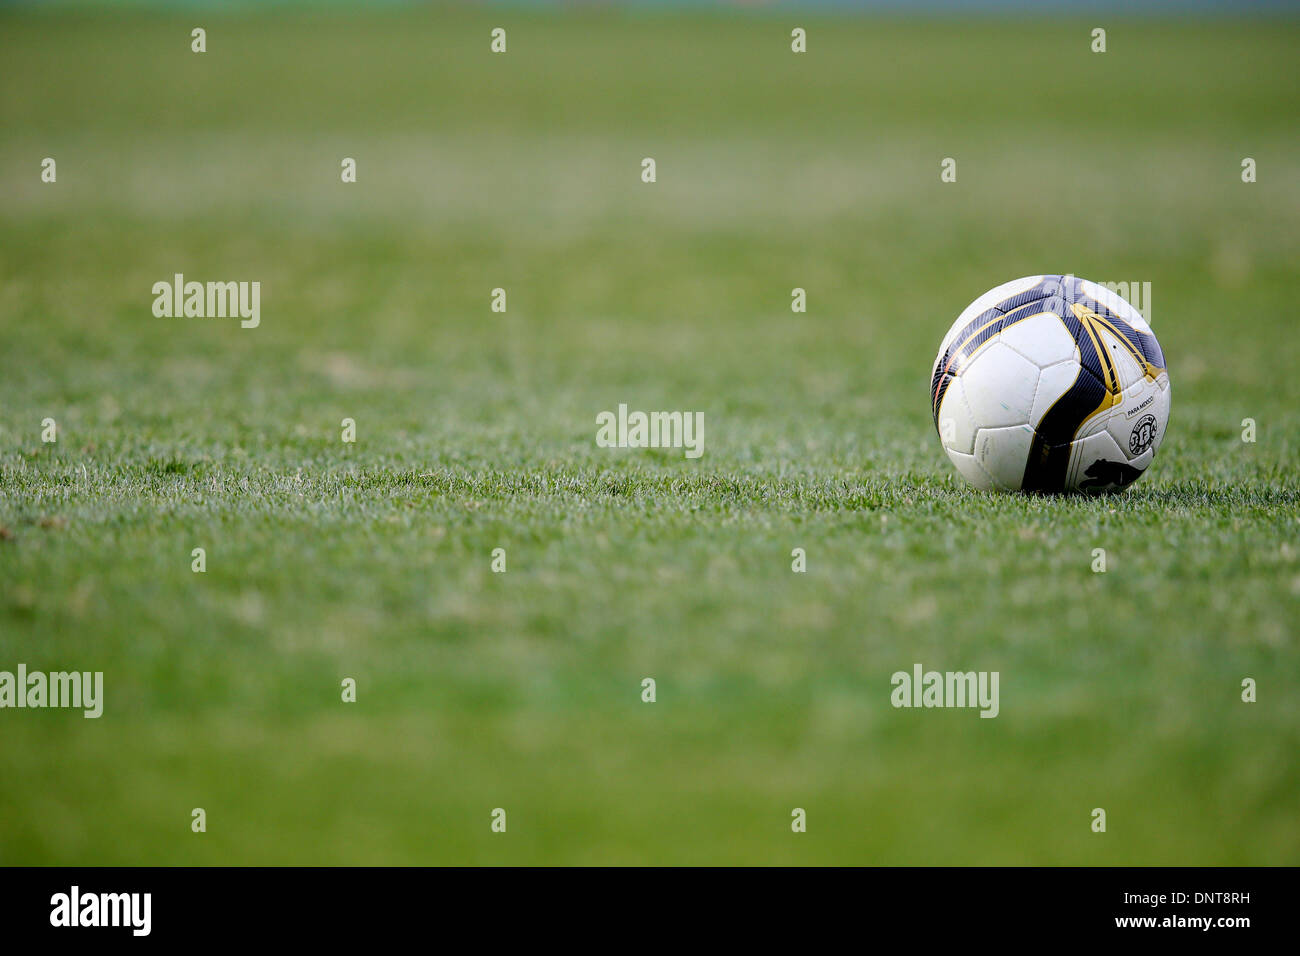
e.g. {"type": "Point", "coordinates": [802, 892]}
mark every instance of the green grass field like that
{"type": "Point", "coordinates": [475, 430]}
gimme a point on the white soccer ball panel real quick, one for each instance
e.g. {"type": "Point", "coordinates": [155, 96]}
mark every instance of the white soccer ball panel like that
{"type": "Point", "coordinates": [1127, 370]}
{"type": "Point", "coordinates": [1053, 382]}
{"type": "Point", "coordinates": [1161, 412]}
{"type": "Point", "coordinates": [1042, 339]}
{"type": "Point", "coordinates": [970, 470]}
{"type": "Point", "coordinates": [956, 426]}
{"type": "Point", "coordinates": [999, 386]}
{"type": "Point", "coordinates": [1002, 452]}
{"type": "Point", "coordinates": [1143, 461]}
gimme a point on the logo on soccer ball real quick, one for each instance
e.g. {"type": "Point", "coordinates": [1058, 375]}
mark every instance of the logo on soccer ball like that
{"type": "Point", "coordinates": [1144, 433]}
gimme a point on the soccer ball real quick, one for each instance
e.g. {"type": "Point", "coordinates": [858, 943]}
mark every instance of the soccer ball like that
{"type": "Point", "coordinates": [1050, 383]}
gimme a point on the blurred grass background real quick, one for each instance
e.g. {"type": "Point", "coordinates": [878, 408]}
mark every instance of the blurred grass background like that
{"type": "Point", "coordinates": [475, 431]}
